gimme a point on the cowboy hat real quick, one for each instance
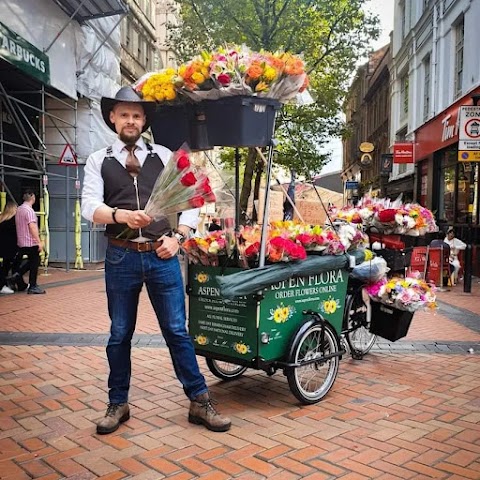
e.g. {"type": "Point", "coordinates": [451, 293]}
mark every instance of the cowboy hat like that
{"type": "Point", "coordinates": [128, 95]}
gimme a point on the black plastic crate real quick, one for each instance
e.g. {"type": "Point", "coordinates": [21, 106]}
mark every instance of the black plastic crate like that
{"type": "Point", "coordinates": [240, 121]}
{"type": "Point", "coordinates": [397, 260]}
{"type": "Point", "coordinates": [389, 322]}
{"type": "Point", "coordinates": [173, 125]}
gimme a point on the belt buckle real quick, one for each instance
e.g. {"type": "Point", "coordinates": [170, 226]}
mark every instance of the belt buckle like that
{"type": "Point", "coordinates": [145, 247]}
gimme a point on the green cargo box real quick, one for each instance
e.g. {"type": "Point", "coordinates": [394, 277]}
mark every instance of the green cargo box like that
{"type": "Point", "coordinates": [259, 327]}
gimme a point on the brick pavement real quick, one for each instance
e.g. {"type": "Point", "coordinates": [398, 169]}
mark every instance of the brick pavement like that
{"type": "Point", "coordinates": [393, 415]}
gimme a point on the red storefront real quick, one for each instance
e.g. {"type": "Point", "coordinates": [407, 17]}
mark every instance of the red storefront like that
{"type": "Point", "coordinates": [448, 187]}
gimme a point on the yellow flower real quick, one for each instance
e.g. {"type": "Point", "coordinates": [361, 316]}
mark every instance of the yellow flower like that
{"type": "Point", "coordinates": [198, 78]}
{"type": "Point", "coordinates": [269, 73]}
{"type": "Point", "coordinates": [261, 87]}
{"type": "Point", "coordinates": [285, 313]}
{"type": "Point", "coordinates": [277, 315]}
{"type": "Point", "coordinates": [368, 254]}
{"type": "Point", "coordinates": [170, 93]}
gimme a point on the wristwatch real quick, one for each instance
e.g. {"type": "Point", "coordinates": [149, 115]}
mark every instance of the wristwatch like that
{"type": "Point", "coordinates": [114, 212]}
{"type": "Point", "coordinates": [179, 236]}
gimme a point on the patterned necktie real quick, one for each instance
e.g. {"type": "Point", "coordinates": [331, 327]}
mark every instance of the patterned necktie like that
{"type": "Point", "coordinates": [132, 165]}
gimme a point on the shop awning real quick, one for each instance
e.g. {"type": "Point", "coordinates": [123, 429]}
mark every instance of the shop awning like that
{"type": "Point", "coordinates": [83, 10]}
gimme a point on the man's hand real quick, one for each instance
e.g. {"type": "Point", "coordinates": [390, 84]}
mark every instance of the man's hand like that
{"type": "Point", "coordinates": [40, 246]}
{"type": "Point", "coordinates": [138, 219]}
{"type": "Point", "coordinates": [168, 248]}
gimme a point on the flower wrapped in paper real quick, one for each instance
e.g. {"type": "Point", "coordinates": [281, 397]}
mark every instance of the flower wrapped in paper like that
{"type": "Point", "coordinates": [389, 217]}
{"type": "Point", "coordinates": [161, 87]}
{"type": "Point", "coordinates": [180, 186]}
{"type": "Point", "coordinates": [408, 294]}
{"type": "Point", "coordinates": [224, 72]}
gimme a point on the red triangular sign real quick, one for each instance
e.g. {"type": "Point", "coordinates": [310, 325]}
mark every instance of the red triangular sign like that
{"type": "Point", "coordinates": [68, 156]}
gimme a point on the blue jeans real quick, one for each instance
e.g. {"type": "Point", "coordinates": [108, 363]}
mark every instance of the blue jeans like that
{"type": "Point", "coordinates": [125, 273]}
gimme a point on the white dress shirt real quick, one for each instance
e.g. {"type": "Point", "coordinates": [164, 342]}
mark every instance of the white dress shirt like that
{"type": "Point", "coordinates": [92, 192]}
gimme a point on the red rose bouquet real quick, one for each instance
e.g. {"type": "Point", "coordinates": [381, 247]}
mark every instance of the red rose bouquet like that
{"type": "Point", "coordinates": [180, 186]}
{"type": "Point", "coordinates": [284, 250]}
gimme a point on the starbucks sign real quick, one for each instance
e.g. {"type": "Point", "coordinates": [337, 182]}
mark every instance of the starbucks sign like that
{"type": "Point", "coordinates": [22, 54]}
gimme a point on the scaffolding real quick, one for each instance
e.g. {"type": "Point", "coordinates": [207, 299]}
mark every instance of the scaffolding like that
{"type": "Point", "coordinates": [30, 156]}
{"type": "Point", "coordinates": [44, 120]}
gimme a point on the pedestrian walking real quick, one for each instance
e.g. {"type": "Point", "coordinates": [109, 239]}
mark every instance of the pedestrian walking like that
{"type": "Point", "coordinates": [8, 244]}
{"type": "Point", "coordinates": [117, 184]}
{"type": "Point", "coordinates": [29, 244]}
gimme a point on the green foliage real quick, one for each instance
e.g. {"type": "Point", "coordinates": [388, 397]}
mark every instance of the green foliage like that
{"type": "Point", "coordinates": [330, 34]}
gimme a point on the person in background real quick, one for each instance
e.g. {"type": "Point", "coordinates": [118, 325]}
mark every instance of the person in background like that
{"type": "Point", "coordinates": [8, 244]}
{"type": "Point", "coordinates": [117, 185]}
{"type": "Point", "coordinates": [455, 245]}
{"type": "Point", "coordinates": [29, 243]}
{"type": "Point", "coordinates": [439, 242]}
{"type": "Point", "coordinates": [215, 225]}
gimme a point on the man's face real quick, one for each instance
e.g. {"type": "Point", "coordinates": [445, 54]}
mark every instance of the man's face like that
{"type": "Point", "coordinates": [129, 120]}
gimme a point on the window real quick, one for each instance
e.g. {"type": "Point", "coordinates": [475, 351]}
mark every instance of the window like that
{"type": "Point", "coordinates": [404, 97]}
{"type": "Point", "coordinates": [426, 86]}
{"type": "Point", "coordinates": [148, 10]}
{"type": "Point", "coordinates": [459, 38]}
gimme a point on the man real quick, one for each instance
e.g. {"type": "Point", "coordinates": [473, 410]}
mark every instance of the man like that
{"type": "Point", "coordinates": [117, 184]}
{"type": "Point", "coordinates": [29, 243]}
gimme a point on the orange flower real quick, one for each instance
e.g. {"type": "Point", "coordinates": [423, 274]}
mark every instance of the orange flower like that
{"type": "Point", "coordinates": [255, 70]}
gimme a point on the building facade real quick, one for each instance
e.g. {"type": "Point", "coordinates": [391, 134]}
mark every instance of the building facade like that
{"type": "Point", "coordinates": [139, 53]}
{"type": "Point", "coordinates": [367, 112]}
{"type": "Point", "coordinates": [436, 70]}
{"type": "Point", "coordinates": [56, 62]}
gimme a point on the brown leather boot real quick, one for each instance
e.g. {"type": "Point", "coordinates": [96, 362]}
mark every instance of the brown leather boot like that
{"type": "Point", "coordinates": [202, 412]}
{"type": "Point", "coordinates": [116, 414]}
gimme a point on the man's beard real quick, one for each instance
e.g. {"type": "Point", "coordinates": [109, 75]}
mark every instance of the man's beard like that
{"type": "Point", "coordinates": [128, 139]}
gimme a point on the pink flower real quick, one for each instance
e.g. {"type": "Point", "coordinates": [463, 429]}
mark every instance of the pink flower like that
{"type": "Point", "coordinates": [252, 250]}
{"type": "Point", "coordinates": [224, 79]}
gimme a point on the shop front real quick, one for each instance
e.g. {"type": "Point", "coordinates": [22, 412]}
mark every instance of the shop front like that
{"type": "Point", "coordinates": [444, 184]}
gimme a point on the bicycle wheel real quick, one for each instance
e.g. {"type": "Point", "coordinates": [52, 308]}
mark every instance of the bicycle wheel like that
{"type": "Point", "coordinates": [359, 338]}
{"type": "Point", "coordinates": [311, 382]}
{"type": "Point", "coordinates": [225, 370]}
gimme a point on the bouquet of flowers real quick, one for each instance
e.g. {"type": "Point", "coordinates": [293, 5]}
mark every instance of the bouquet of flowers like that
{"type": "Point", "coordinates": [227, 71]}
{"type": "Point", "coordinates": [284, 250]}
{"type": "Point", "coordinates": [180, 186]}
{"type": "Point", "coordinates": [159, 87]}
{"type": "Point", "coordinates": [408, 294]}
{"type": "Point", "coordinates": [390, 217]}
{"type": "Point", "coordinates": [206, 250]}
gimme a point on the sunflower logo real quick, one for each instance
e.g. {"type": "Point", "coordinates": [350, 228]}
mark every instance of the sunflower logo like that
{"type": "Point", "coordinates": [241, 348]}
{"type": "Point", "coordinates": [202, 277]}
{"type": "Point", "coordinates": [281, 313]}
{"type": "Point", "coordinates": [329, 306]}
{"type": "Point", "coordinates": [201, 339]}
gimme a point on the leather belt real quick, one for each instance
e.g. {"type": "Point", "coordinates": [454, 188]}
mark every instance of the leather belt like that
{"type": "Point", "coordinates": [141, 247]}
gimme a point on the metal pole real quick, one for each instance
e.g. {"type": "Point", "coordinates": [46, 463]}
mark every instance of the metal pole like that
{"type": "Point", "coordinates": [263, 243]}
{"type": "Point", "coordinates": [67, 220]}
{"type": "Point", "coordinates": [65, 26]}
{"type": "Point", "coordinates": [237, 190]}
{"type": "Point", "coordinates": [467, 276]}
